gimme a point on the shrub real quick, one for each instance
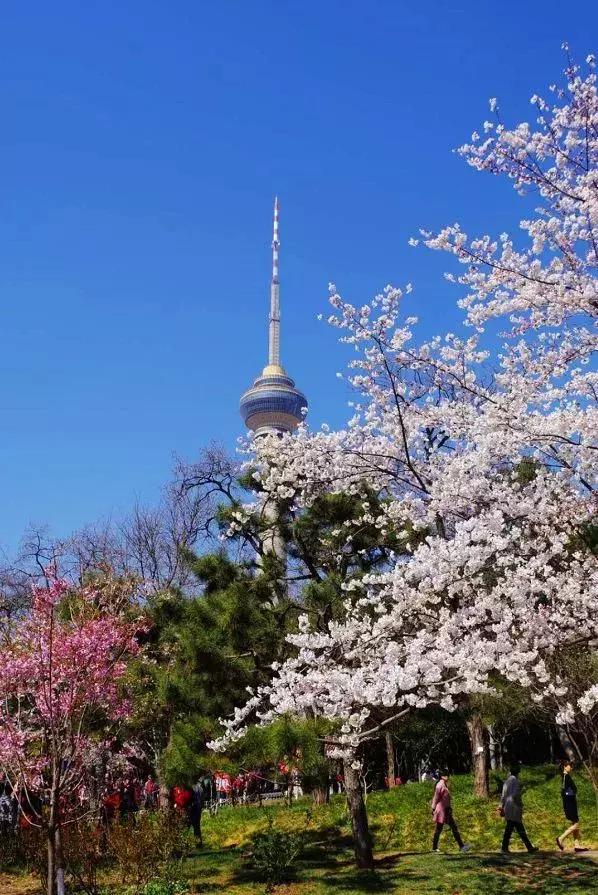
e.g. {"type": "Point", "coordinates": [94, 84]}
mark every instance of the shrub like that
{"type": "Point", "coordinates": [82, 849]}
{"type": "Point", "coordinates": [150, 848]}
{"type": "Point", "coordinates": [82, 845]}
{"type": "Point", "coordinates": [12, 849]}
{"type": "Point", "coordinates": [274, 852]}
{"type": "Point", "coordinates": [165, 887]}
{"type": "Point", "coordinates": [33, 844]}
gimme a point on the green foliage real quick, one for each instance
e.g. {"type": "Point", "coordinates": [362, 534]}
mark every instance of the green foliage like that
{"type": "Point", "coordinates": [319, 536]}
{"type": "Point", "coordinates": [201, 654]}
{"type": "Point", "coordinates": [586, 539]}
{"type": "Point", "coordinates": [296, 742]}
{"type": "Point", "coordinates": [165, 887]}
{"type": "Point", "coordinates": [428, 737]}
{"type": "Point", "coordinates": [274, 853]}
{"type": "Point", "coordinates": [225, 641]}
{"type": "Point", "coordinates": [526, 470]}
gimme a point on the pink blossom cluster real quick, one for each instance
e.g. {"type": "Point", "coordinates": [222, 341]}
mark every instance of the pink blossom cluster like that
{"type": "Point", "coordinates": [60, 690]}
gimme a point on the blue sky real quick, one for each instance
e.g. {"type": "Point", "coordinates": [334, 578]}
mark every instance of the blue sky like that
{"type": "Point", "coordinates": [141, 146]}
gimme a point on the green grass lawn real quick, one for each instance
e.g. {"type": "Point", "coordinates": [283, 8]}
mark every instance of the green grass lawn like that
{"type": "Point", "coordinates": [402, 830]}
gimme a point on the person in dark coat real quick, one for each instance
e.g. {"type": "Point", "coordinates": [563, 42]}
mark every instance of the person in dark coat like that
{"type": "Point", "coordinates": [442, 813]}
{"type": "Point", "coordinates": [569, 797]}
{"type": "Point", "coordinates": [511, 807]}
{"type": "Point", "coordinates": [195, 809]}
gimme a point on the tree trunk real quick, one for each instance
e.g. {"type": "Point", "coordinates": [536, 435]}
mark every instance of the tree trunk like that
{"type": "Point", "coordinates": [163, 787]}
{"type": "Point", "coordinates": [53, 841]}
{"type": "Point", "coordinates": [479, 756]}
{"type": "Point", "coordinates": [391, 770]}
{"type": "Point", "coordinates": [320, 795]}
{"type": "Point", "coordinates": [51, 849]}
{"type": "Point", "coordinates": [566, 744]}
{"type": "Point", "coordinates": [362, 841]}
{"type": "Point", "coordinates": [55, 862]}
{"type": "Point", "coordinates": [493, 748]}
{"type": "Point", "coordinates": [59, 863]}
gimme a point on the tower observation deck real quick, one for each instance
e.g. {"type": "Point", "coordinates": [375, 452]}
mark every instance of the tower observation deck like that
{"type": "Point", "coordinates": [273, 404]}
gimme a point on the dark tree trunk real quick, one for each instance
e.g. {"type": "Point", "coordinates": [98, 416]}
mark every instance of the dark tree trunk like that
{"type": "Point", "coordinates": [362, 841]}
{"type": "Point", "coordinates": [320, 795]}
{"type": "Point", "coordinates": [566, 744]}
{"type": "Point", "coordinates": [391, 770]}
{"type": "Point", "coordinates": [479, 756]}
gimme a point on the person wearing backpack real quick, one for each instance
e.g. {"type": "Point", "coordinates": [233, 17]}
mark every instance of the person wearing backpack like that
{"type": "Point", "coordinates": [442, 813]}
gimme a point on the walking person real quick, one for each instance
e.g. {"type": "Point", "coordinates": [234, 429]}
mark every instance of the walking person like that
{"type": "Point", "coordinates": [195, 809]}
{"type": "Point", "coordinates": [511, 808]}
{"type": "Point", "coordinates": [442, 813]}
{"type": "Point", "coordinates": [569, 797]}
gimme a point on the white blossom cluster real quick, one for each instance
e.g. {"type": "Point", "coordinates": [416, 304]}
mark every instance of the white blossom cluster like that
{"type": "Point", "coordinates": [485, 465]}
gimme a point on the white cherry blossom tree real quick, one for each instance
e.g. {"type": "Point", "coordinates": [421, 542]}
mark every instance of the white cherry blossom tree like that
{"type": "Point", "coordinates": [484, 460]}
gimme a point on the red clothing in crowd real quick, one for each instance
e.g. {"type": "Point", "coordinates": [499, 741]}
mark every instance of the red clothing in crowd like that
{"type": "Point", "coordinates": [223, 782]}
{"type": "Point", "coordinates": [181, 796]}
{"type": "Point", "coordinates": [398, 781]}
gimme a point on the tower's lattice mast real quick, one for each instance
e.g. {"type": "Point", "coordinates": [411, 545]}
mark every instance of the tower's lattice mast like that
{"type": "Point", "coordinates": [274, 328]}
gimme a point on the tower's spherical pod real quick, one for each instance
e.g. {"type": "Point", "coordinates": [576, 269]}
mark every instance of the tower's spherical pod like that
{"type": "Point", "coordinates": [273, 404]}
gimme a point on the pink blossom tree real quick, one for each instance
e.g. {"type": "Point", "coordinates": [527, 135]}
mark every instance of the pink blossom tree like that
{"type": "Point", "coordinates": [61, 693]}
{"type": "Point", "coordinates": [491, 457]}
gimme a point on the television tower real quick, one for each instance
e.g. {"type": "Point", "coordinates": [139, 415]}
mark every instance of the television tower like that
{"type": "Point", "coordinates": [273, 405]}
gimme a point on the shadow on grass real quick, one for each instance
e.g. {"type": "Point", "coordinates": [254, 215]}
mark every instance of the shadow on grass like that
{"type": "Point", "coordinates": [490, 874]}
{"type": "Point", "coordinates": [325, 850]}
{"type": "Point", "coordinates": [327, 860]}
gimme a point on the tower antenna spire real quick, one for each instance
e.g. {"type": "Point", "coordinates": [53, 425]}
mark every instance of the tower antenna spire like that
{"type": "Point", "coordinates": [273, 404]}
{"type": "Point", "coordinates": [274, 327]}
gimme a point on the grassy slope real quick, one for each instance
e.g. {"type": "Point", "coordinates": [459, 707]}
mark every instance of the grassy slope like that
{"type": "Point", "coordinates": [402, 830]}
{"type": "Point", "coordinates": [401, 819]}
{"type": "Point", "coordinates": [401, 823]}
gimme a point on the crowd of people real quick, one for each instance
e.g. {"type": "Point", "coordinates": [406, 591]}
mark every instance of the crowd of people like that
{"type": "Point", "coordinates": [510, 808]}
{"type": "Point", "coordinates": [218, 788]}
